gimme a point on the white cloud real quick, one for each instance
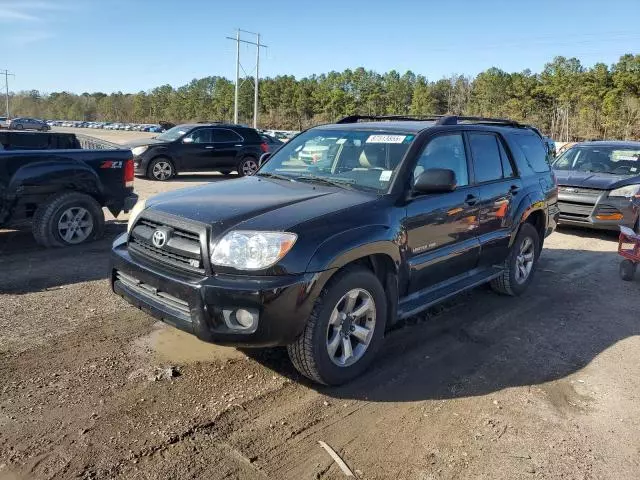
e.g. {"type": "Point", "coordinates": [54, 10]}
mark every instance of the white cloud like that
{"type": "Point", "coordinates": [26, 38]}
{"type": "Point", "coordinates": [28, 11]}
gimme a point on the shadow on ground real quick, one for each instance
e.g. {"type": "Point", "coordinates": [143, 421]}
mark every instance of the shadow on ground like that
{"type": "Point", "coordinates": [27, 267]}
{"type": "Point", "coordinates": [481, 342]}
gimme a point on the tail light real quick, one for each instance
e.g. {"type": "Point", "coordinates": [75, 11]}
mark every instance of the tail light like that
{"type": "Point", "coordinates": [264, 147]}
{"type": "Point", "coordinates": [129, 173]}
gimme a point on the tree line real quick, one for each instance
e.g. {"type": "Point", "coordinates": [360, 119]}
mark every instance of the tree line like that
{"type": "Point", "coordinates": [566, 100]}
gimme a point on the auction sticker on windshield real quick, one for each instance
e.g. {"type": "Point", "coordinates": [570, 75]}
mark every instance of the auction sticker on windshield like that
{"type": "Point", "coordinates": [386, 138]}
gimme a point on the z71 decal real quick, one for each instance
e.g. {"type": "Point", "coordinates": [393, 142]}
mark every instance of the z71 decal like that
{"type": "Point", "coordinates": [111, 164]}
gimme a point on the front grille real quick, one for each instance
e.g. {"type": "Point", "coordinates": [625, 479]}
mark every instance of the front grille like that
{"type": "Point", "coordinates": [179, 306]}
{"type": "Point", "coordinates": [574, 209]}
{"type": "Point", "coordinates": [181, 250]}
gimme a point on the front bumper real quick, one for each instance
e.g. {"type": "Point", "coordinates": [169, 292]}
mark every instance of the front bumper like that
{"type": "Point", "coordinates": [602, 212]}
{"type": "Point", "coordinates": [196, 304]}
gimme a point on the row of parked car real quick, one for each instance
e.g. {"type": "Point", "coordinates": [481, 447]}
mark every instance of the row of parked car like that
{"type": "Point", "coordinates": [135, 127]}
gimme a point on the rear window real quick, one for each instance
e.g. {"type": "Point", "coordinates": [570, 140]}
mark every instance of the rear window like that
{"type": "Point", "coordinates": [533, 151]}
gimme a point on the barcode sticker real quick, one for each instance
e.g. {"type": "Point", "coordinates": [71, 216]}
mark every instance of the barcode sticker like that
{"type": "Point", "coordinates": [385, 176]}
{"type": "Point", "coordinates": [386, 138]}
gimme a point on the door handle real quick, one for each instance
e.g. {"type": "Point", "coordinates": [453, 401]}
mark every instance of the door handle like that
{"type": "Point", "coordinates": [514, 189]}
{"type": "Point", "coordinates": [471, 200]}
{"type": "Point", "coordinates": [209, 147]}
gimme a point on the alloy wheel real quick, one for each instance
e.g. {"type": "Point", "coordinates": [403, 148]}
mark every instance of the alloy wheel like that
{"type": "Point", "coordinates": [351, 327]}
{"type": "Point", "coordinates": [524, 260]}
{"type": "Point", "coordinates": [75, 225]}
{"type": "Point", "coordinates": [162, 170]}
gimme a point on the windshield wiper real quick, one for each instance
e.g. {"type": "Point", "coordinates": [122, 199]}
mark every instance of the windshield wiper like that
{"type": "Point", "coordinates": [336, 182]}
{"type": "Point", "coordinates": [274, 175]}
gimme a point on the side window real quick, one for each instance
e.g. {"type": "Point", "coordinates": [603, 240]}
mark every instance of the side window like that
{"type": "Point", "coordinates": [507, 169]}
{"type": "Point", "coordinates": [534, 151]}
{"type": "Point", "coordinates": [225, 135]}
{"type": "Point", "coordinates": [487, 164]}
{"type": "Point", "coordinates": [202, 135]}
{"type": "Point", "coordinates": [444, 151]}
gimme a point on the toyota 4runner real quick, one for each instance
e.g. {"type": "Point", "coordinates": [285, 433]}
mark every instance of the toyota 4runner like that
{"type": "Point", "coordinates": [324, 257]}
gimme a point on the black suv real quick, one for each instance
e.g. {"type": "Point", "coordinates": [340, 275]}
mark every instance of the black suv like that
{"type": "Point", "coordinates": [192, 147]}
{"type": "Point", "coordinates": [398, 214]}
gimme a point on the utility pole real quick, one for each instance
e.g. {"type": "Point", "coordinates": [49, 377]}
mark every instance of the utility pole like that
{"type": "Point", "coordinates": [258, 45]}
{"type": "Point", "coordinates": [6, 87]}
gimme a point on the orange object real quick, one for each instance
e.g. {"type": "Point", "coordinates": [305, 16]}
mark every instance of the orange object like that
{"type": "Point", "coordinates": [613, 216]}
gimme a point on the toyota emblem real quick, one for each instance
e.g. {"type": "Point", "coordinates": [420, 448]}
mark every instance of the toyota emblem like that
{"type": "Point", "coordinates": [159, 238]}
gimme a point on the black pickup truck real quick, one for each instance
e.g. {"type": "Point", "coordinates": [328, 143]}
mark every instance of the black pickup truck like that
{"type": "Point", "coordinates": [324, 254]}
{"type": "Point", "coordinates": [49, 180]}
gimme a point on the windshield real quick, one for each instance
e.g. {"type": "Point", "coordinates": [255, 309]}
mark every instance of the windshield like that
{"type": "Point", "coordinates": [173, 133]}
{"type": "Point", "coordinates": [618, 160]}
{"type": "Point", "coordinates": [363, 160]}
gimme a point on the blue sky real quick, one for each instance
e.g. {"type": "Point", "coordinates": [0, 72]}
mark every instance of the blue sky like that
{"type": "Point", "coordinates": [132, 45]}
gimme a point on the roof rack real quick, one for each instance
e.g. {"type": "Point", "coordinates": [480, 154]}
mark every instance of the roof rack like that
{"type": "Point", "coordinates": [456, 119]}
{"type": "Point", "coordinates": [409, 118]}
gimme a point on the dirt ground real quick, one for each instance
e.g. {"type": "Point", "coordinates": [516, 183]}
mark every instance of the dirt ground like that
{"type": "Point", "coordinates": [481, 387]}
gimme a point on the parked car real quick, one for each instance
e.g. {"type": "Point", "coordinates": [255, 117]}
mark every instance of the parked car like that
{"type": "Point", "coordinates": [191, 147]}
{"type": "Point", "coordinates": [325, 259]}
{"type": "Point", "coordinates": [24, 123]}
{"type": "Point", "coordinates": [596, 184]}
{"type": "Point", "coordinates": [4, 122]}
{"type": "Point", "coordinates": [272, 142]}
{"type": "Point", "coordinates": [61, 192]}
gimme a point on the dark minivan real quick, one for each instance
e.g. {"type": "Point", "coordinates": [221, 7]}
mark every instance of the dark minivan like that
{"type": "Point", "coordinates": [324, 257]}
{"type": "Point", "coordinates": [205, 147]}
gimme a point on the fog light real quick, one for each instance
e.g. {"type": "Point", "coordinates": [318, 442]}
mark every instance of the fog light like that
{"type": "Point", "coordinates": [244, 319]}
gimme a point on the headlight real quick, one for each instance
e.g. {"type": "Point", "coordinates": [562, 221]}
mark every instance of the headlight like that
{"type": "Point", "coordinates": [139, 150]}
{"type": "Point", "coordinates": [135, 213]}
{"type": "Point", "coordinates": [252, 250]}
{"type": "Point", "coordinates": [627, 192]}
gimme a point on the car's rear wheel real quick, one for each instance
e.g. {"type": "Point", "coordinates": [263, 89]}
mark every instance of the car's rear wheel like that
{"type": "Point", "coordinates": [19, 126]}
{"type": "Point", "coordinates": [161, 169]}
{"type": "Point", "coordinates": [67, 219]}
{"type": "Point", "coordinates": [344, 330]}
{"type": "Point", "coordinates": [520, 265]}
{"type": "Point", "coordinates": [247, 166]}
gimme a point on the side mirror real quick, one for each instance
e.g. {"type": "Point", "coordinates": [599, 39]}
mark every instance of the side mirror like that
{"type": "Point", "coordinates": [263, 158]}
{"type": "Point", "coordinates": [436, 180]}
{"type": "Point", "coordinates": [187, 140]}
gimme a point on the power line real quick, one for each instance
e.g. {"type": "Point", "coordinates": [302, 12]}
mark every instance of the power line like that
{"type": "Point", "coordinates": [258, 45]}
{"type": "Point", "coordinates": [7, 74]}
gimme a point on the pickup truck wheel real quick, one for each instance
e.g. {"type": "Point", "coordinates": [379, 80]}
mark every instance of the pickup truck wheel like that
{"type": "Point", "coordinates": [247, 166]}
{"type": "Point", "coordinates": [161, 169]}
{"type": "Point", "coordinates": [68, 219]}
{"type": "Point", "coordinates": [344, 331]}
{"type": "Point", "coordinates": [520, 265]}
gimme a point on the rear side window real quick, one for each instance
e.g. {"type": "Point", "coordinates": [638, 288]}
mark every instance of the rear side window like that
{"type": "Point", "coordinates": [533, 150]}
{"type": "Point", "coordinates": [507, 168]}
{"type": "Point", "coordinates": [225, 135]}
{"type": "Point", "coordinates": [487, 162]}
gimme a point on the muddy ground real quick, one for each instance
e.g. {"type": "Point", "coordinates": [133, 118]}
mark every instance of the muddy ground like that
{"type": "Point", "coordinates": [481, 387]}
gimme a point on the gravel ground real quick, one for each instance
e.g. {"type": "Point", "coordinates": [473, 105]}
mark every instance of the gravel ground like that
{"type": "Point", "coordinates": [481, 387]}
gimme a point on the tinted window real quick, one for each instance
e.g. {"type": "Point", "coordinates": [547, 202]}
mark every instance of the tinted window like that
{"type": "Point", "coordinates": [202, 135]}
{"type": "Point", "coordinates": [224, 135]}
{"type": "Point", "coordinates": [534, 151]}
{"type": "Point", "coordinates": [445, 151]}
{"type": "Point", "coordinates": [507, 169]}
{"type": "Point", "coordinates": [487, 164]}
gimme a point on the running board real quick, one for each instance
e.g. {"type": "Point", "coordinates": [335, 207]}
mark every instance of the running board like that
{"type": "Point", "coordinates": [420, 301]}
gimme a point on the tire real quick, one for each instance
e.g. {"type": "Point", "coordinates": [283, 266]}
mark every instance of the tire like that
{"type": "Point", "coordinates": [161, 169]}
{"type": "Point", "coordinates": [247, 166]}
{"type": "Point", "coordinates": [66, 208]}
{"type": "Point", "coordinates": [627, 270]}
{"type": "Point", "coordinates": [19, 126]}
{"type": "Point", "coordinates": [511, 281]}
{"type": "Point", "coordinates": [310, 352]}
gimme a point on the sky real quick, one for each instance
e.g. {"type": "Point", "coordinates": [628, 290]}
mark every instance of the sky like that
{"type": "Point", "coordinates": [133, 45]}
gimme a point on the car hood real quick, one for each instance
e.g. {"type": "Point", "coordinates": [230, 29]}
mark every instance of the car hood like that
{"type": "Point", "coordinates": [143, 141]}
{"type": "Point", "coordinates": [600, 181]}
{"type": "Point", "coordinates": [256, 203]}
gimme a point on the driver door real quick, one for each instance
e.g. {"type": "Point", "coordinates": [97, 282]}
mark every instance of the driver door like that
{"type": "Point", "coordinates": [441, 227]}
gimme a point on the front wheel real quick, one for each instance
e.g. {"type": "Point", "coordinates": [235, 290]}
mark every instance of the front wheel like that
{"type": "Point", "coordinates": [520, 265]}
{"type": "Point", "coordinates": [247, 166]}
{"type": "Point", "coordinates": [344, 330]}
{"type": "Point", "coordinates": [161, 169]}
